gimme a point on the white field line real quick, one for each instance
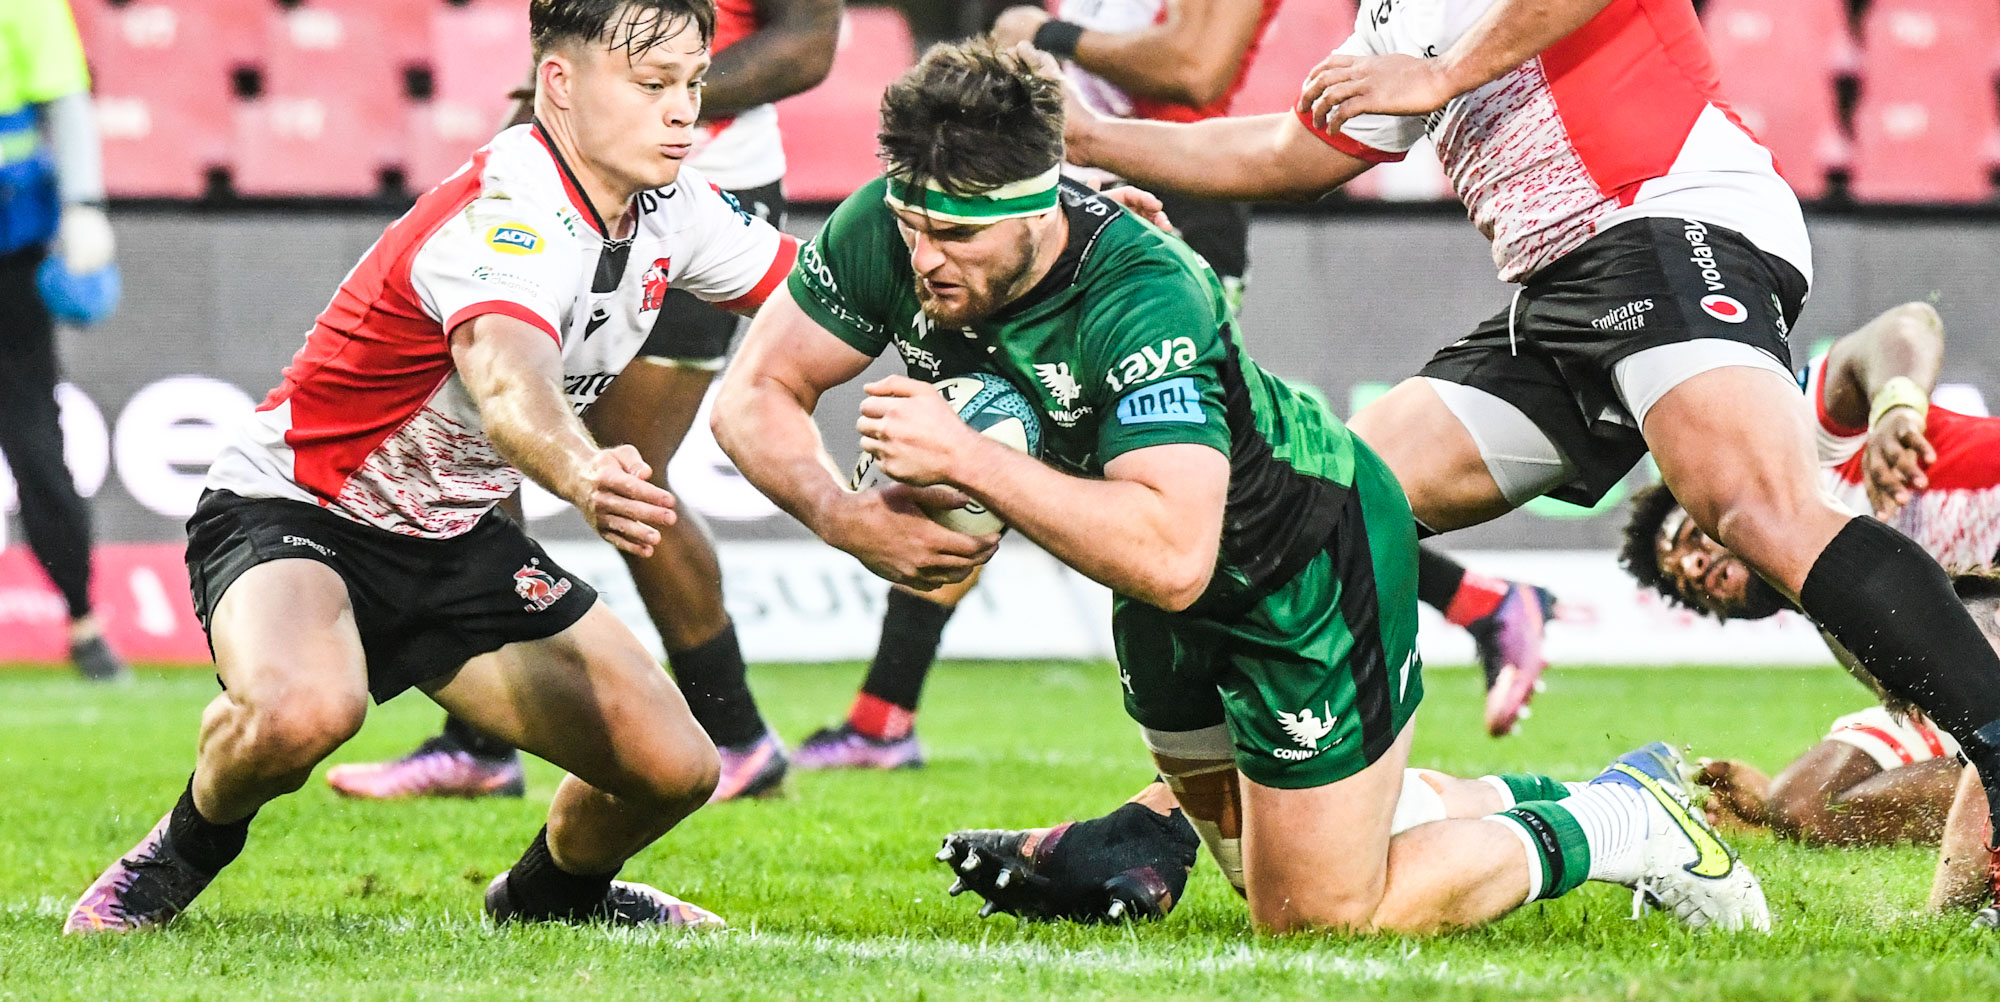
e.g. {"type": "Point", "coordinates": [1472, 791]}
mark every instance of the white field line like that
{"type": "Point", "coordinates": [1135, 957]}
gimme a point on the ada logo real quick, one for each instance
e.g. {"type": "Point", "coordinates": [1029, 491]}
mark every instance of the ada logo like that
{"type": "Point", "coordinates": [1724, 308]}
{"type": "Point", "coordinates": [654, 285]}
{"type": "Point", "coordinates": [538, 587]}
{"type": "Point", "coordinates": [514, 238]}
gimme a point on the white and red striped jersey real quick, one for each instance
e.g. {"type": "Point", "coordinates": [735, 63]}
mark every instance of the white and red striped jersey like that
{"type": "Point", "coordinates": [1957, 518]}
{"type": "Point", "coordinates": [744, 151]}
{"type": "Point", "coordinates": [1893, 743]}
{"type": "Point", "coordinates": [372, 420]}
{"type": "Point", "coordinates": [1621, 119]}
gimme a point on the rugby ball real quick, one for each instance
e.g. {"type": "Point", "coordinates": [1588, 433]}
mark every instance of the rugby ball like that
{"type": "Point", "coordinates": [995, 409]}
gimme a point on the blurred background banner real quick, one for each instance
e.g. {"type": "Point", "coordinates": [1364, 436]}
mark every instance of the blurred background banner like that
{"type": "Point", "coordinates": [254, 149]}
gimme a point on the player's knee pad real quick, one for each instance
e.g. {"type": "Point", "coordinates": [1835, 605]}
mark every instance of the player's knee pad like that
{"type": "Point", "coordinates": [1200, 767]}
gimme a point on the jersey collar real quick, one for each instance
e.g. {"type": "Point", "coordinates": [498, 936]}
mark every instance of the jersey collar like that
{"type": "Point", "coordinates": [571, 186]}
{"type": "Point", "coordinates": [1085, 226]}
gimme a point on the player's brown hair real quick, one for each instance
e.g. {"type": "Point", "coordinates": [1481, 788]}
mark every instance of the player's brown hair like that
{"type": "Point", "coordinates": [971, 117]}
{"type": "Point", "coordinates": [630, 25]}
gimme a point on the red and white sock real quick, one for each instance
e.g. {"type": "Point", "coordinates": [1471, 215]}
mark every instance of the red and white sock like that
{"type": "Point", "coordinates": [874, 717]}
{"type": "Point", "coordinates": [1476, 598]}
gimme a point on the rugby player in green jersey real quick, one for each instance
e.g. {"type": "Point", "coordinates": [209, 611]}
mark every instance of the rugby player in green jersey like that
{"type": "Point", "coordinates": [1263, 559]}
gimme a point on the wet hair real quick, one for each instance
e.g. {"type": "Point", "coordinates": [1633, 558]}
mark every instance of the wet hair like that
{"type": "Point", "coordinates": [971, 117]}
{"type": "Point", "coordinates": [631, 26]}
{"type": "Point", "coordinates": [1640, 553]}
{"type": "Point", "coordinates": [1640, 556]}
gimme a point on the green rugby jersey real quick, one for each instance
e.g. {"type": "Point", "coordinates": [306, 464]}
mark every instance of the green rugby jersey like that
{"type": "Point", "coordinates": [1126, 343]}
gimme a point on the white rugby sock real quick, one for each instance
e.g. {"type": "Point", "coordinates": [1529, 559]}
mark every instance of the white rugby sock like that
{"type": "Point", "coordinates": [1614, 822]}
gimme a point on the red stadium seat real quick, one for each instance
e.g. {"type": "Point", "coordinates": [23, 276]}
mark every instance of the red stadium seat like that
{"type": "Point", "coordinates": [830, 130]}
{"type": "Point", "coordinates": [332, 113]}
{"type": "Point", "coordinates": [162, 95]}
{"type": "Point", "coordinates": [478, 53]}
{"type": "Point", "coordinates": [403, 27]}
{"type": "Point", "coordinates": [1301, 35]}
{"type": "Point", "coordinates": [1926, 123]}
{"type": "Point", "coordinates": [1777, 60]}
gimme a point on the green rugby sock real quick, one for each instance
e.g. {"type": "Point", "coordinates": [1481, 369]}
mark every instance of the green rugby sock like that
{"type": "Point", "coordinates": [1527, 787]}
{"type": "Point", "coordinates": [1558, 852]}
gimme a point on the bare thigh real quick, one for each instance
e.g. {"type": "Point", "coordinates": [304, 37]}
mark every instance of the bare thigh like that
{"type": "Point", "coordinates": [1735, 446]}
{"type": "Point", "coordinates": [592, 701]}
{"type": "Point", "coordinates": [1432, 455]}
{"type": "Point", "coordinates": [1320, 856]}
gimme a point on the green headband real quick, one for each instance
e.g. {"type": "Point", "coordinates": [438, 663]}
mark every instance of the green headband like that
{"type": "Point", "coordinates": [1031, 197]}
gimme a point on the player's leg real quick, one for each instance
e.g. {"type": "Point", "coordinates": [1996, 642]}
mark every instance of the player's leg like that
{"type": "Point", "coordinates": [53, 515]}
{"type": "Point", "coordinates": [1506, 620]}
{"type": "Point", "coordinates": [880, 729]}
{"type": "Point", "coordinates": [651, 406]}
{"type": "Point", "coordinates": [591, 700]}
{"type": "Point", "coordinates": [289, 655]}
{"type": "Point", "coordinates": [1734, 444]}
{"type": "Point", "coordinates": [1964, 870]}
{"type": "Point", "coordinates": [1471, 438]}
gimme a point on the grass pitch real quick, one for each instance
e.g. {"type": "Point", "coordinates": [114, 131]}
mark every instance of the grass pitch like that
{"type": "Point", "coordinates": [832, 891]}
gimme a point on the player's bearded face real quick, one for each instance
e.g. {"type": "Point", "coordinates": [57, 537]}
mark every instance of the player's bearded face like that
{"type": "Point", "coordinates": [966, 273]}
{"type": "Point", "coordinates": [1706, 573]}
{"type": "Point", "coordinates": [633, 114]}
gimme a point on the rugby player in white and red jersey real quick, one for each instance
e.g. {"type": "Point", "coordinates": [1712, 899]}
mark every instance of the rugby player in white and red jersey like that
{"type": "Point", "coordinates": [1884, 774]}
{"type": "Point", "coordinates": [1660, 259]}
{"type": "Point", "coordinates": [764, 51]}
{"type": "Point", "coordinates": [347, 544]}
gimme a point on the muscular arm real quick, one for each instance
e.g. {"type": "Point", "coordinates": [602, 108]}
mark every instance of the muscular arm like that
{"type": "Point", "coordinates": [1907, 340]}
{"type": "Point", "coordinates": [1190, 58]}
{"type": "Point", "coordinates": [1510, 33]}
{"type": "Point", "coordinates": [1256, 158]}
{"type": "Point", "coordinates": [763, 413]}
{"type": "Point", "coordinates": [763, 421]}
{"type": "Point", "coordinates": [1150, 529]}
{"type": "Point", "coordinates": [513, 372]}
{"type": "Point", "coordinates": [790, 54]}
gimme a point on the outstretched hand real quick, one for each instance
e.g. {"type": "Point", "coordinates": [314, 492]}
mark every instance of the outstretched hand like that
{"type": "Point", "coordinates": [616, 497]}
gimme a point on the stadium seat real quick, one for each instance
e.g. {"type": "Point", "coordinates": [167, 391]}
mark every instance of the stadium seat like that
{"type": "Point", "coordinates": [830, 130]}
{"type": "Point", "coordinates": [478, 53]}
{"type": "Point", "coordinates": [332, 112]}
{"type": "Point", "coordinates": [1777, 60]}
{"type": "Point", "coordinates": [1925, 126]}
{"type": "Point", "coordinates": [162, 93]}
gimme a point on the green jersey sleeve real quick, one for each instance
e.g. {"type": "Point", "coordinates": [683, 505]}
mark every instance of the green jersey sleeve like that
{"type": "Point", "coordinates": [1155, 356]}
{"type": "Point", "coordinates": [846, 277]}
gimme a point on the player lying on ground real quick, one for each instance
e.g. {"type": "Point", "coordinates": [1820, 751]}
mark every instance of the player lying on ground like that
{"type": "Point", "coordinates": [1875, 779]}
{"type": "Point", "coordinates": [1661, 262]}
{"type": "Point", "coordinates": [347, 547]}
{"type": "Point", "coordinates": [1263, 559]}
{"type": "Point", "coordinates": [1929, 471]}
{"type": "Point", "coordinates": [765, 51]}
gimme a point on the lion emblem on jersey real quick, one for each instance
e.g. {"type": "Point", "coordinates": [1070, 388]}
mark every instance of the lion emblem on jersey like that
{"type": "Point", "coordinates": [538, 587]}
{"type": "Point", "coordinates": [654, 285]}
